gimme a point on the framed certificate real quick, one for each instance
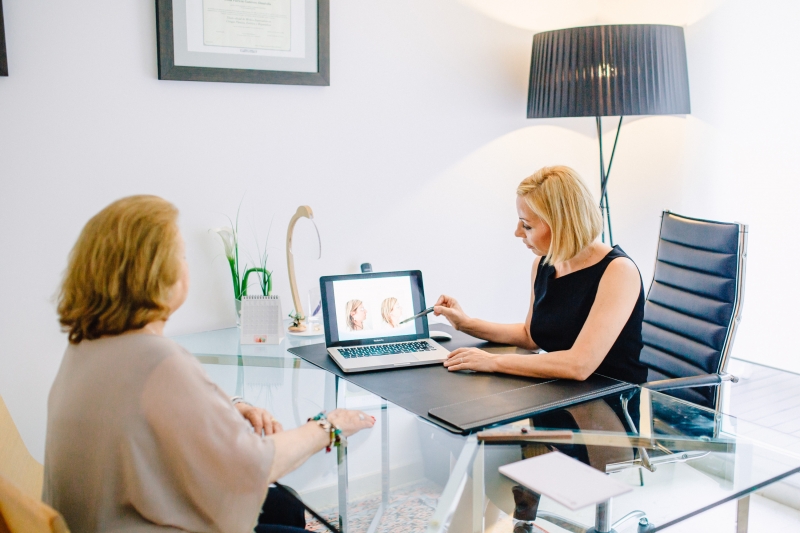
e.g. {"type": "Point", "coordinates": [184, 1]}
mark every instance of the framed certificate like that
{"type": "Point", "coordinates": [244, 41]}
{"type": "Point", "coordinates": [3, 56]}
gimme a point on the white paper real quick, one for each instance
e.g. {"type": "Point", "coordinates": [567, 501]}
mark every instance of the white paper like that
{"type": "Point", "coordinates": [247, 24]}
{"type": "Point", "coordinates": [565, 480]}
{"type": "Point", "coordinates": [191, 52]}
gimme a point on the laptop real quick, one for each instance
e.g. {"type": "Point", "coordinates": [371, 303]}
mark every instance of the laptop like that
{"type": "Point", "coordinates": [362, 314]}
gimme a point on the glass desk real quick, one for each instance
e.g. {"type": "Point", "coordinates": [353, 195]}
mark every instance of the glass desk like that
{"type": "Point", "coordinates": [407, 474]}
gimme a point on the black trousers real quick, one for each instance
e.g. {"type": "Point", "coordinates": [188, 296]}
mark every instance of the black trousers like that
{"type": "Point", "coordinates": [281, 514]}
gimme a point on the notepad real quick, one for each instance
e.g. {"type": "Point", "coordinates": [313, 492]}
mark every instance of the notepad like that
{"type": "Point", "coordinates": [261, 320]}
{"type": "Point", "coordinates": [565, 480]}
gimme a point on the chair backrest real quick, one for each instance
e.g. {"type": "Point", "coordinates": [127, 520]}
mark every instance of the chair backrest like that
{"type": "Point", "coordinates": [694, 303]}
{"type": "Point", "coordinates": [20, 513]}
{"type": "Point", "coordinates": [17, 466]}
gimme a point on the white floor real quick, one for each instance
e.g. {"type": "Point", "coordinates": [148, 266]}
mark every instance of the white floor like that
{"type": "Point", "coordinates": [770, 398]}
{"type": "Point", "coordinates": [766, 516]}
{"type": "Point", "coordinates": [765, 396]}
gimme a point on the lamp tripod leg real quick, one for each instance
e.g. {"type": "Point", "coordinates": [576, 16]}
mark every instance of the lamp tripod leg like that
{"type": "Point", "coordinates": [608, 217]}
{"type": "Point", "coordinates": [605, 210]}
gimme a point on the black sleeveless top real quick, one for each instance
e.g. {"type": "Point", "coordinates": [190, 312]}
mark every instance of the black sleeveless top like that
{"type": "Point", "coordinates": [561, 307]}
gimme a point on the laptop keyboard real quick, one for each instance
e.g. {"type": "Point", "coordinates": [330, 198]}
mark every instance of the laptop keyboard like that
{"type": "Point", "coordinates": [385, 349]}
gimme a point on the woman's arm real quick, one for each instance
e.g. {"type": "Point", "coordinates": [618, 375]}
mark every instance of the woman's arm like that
{"type": "Point", "coordinates": [514, 334]}
{"type": "Point", "coordinates": [296, 446]}
{"type": "Point", "coordinates": [616, 297]}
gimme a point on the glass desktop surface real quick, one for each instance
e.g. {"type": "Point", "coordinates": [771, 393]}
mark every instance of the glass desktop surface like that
{"type": "Point", "coordinates": [406, 474]}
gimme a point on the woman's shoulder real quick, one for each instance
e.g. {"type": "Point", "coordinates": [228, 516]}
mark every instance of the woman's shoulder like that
{"type": "Point", "coordinates": [141, 349]}
{"type": "Point", "coordinates": [621, 267]}
{"type": "Point", "coordinates": [132, 342]}
{"type": "Point", "coordinates": [620, 260]}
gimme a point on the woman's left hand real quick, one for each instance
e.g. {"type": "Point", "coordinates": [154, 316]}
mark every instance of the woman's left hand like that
{"type": "Point", "coordinates": [471, 359]}
{"type": "Point", "coordinates": [260, 419]}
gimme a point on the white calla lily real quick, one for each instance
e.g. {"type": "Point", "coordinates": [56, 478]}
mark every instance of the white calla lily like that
{"type": "Point", "coordinates": [228, 241]}
{"type": "Point", "coordinates": [229, 235]}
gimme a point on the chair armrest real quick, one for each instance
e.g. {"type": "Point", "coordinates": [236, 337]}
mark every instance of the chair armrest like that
{"type": "Point", "coordinates": [703, 380]}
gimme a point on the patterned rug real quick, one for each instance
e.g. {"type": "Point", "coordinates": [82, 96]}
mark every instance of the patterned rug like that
{"type": "Point", "coordinates": [409, 510]}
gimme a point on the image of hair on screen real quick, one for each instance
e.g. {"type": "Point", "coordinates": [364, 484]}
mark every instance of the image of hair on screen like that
{"type": "Point", "coordinates": [373, 307]}
{"type": "Point", "coordinates": [356, 315]}
{"type": "Point", "coordinates": [392, 312]}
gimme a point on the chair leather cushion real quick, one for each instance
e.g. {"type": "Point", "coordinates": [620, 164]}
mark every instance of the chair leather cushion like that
{"type": "Point", "coordinates": [693, 305]}
{"type": "Point", "coordinates": [706, 333]}
{"type": "Point", "coordinates": [702, 359]}
{"type": "Point", "coordinates": [720, 264]}
{"type": "Point", "coordinates": [713, 236]}
{"type": "Point", "coordinates": [700, 283]}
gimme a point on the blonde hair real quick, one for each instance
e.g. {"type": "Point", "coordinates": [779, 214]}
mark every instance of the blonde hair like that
{"type": "Point", "coordinates": [386, 309]}
{"type": "Point", "coordinates": [350, 308]}
{"type": "Point", "coordinates": [562, 200]}
{"type": "Point", "coordinates": [121, 269]}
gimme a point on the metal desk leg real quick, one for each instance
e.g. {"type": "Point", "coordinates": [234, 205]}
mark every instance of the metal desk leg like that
{"type": "Point", "coordinates": [742, 514]}
{"type": "Point", "coordinates": [385, 462]}
{"type": "Point", "coordinates": [385, 469]}
{"type": "Point", "coordinates": [478, 491]}
{"type": "Point", "coordinates": [602, 519]}
{"type": "Point", "coordinates": [341, 461]}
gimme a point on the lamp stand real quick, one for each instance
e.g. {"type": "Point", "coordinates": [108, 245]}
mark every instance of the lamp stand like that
{"type": "Point", "coordinates": [605, 210]}
{"type": "Point", "coordinates": [302, 211]}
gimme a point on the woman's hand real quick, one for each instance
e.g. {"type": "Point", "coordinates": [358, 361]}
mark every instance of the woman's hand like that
{"type": "Point", "coordinates": [350, 422]}
{"type": "Point", "coordinates": [471, 359]}
{"type": "Point", "coordinates": [449, 307]}
{"type": "Point", "coordinates": [260, 419]}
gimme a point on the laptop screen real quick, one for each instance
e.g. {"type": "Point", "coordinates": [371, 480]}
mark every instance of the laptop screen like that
{"type": "Point", "coordinates": [368, 308]}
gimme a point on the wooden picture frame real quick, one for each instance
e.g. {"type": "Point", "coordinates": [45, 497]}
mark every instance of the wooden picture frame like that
{"type": "Point", "coordinates": [3, 55]}
{"type": "Point", "coordinates": [166, 27]}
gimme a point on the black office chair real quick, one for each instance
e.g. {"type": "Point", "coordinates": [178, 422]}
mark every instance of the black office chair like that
{"type": "Point", "coordinates": [693, 307]}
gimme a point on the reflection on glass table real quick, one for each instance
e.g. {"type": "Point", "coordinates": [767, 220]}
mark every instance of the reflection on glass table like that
{"type": "Point", "coordinates": [680, 460]}
{"type": "Point", "coordinates": [409, 475]}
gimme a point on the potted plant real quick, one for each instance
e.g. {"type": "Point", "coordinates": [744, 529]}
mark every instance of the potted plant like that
{"type": "Point", "coordinates": [240, 274]}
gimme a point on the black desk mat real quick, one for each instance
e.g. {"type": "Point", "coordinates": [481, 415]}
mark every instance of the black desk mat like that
{"type": "Point", "coordinates": [423, 389]}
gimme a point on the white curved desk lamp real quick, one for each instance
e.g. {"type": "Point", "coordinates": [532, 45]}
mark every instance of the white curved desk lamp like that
{"type": "Point", "coordinates": [302, 211]}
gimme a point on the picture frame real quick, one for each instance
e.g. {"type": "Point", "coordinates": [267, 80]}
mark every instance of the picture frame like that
{"type": "Point", "coordinates": [188, 50]}
{"type": "Point", "coordinates": [3, 55]}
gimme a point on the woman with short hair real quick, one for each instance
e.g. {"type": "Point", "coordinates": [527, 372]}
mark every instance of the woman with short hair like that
{"type": "Point", "coordinates": [356, 315]}
{"type": "Point", "coordinates": [138, 437]}
{"type": "Point", "coordinates": [391, 311]}
{"type": "Point", "coordinates": [587, 298]}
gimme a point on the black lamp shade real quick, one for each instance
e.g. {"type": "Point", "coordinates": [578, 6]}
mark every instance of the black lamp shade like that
{"type": "Point", "coordinates": [594, 71]}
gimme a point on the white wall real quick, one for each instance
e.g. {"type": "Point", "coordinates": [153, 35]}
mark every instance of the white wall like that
{"type": "Point", "coordinates": [409, 160]}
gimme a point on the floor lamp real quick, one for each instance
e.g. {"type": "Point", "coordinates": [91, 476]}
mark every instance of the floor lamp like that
{"type": "Point", "coordinates": [601, 71]}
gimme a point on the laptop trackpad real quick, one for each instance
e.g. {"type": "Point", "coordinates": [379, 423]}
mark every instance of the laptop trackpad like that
{"type": "Point", "coordinates": [403, 358]}
{"type": "Point", "coordinates": [430, 356]}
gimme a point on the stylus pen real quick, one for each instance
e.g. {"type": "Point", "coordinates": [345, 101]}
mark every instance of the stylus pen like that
{"type": "Point", "coordinates": [425, 312]}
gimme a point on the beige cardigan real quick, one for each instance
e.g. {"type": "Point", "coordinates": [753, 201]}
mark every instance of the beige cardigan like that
{"type": "Point", "coordinates": [140, 440]}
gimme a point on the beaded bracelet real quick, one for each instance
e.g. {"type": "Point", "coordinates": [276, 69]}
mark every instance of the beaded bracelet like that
{"type": "Point", "coordinates": [336, 437]}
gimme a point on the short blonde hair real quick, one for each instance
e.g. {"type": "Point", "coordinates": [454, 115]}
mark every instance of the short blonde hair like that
{"type": "Point", "coordinates": [559, 196]}
{"type": "Point", "coordinates": [121, 269]}
{"type": "Point", "coordinates": [350, 308]}
{"type": "Point", "coordinates": [386, 308]}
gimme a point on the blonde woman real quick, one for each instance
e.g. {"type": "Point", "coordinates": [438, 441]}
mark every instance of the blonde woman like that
{"type": "Point", "coordinates": [356, 315]}
{"type": "Point", "coordinates": [587, 299]}
{"type": "Point", "coordinates": [391, 312]}
{"type": "Point", "coordinates": [138, 437]}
